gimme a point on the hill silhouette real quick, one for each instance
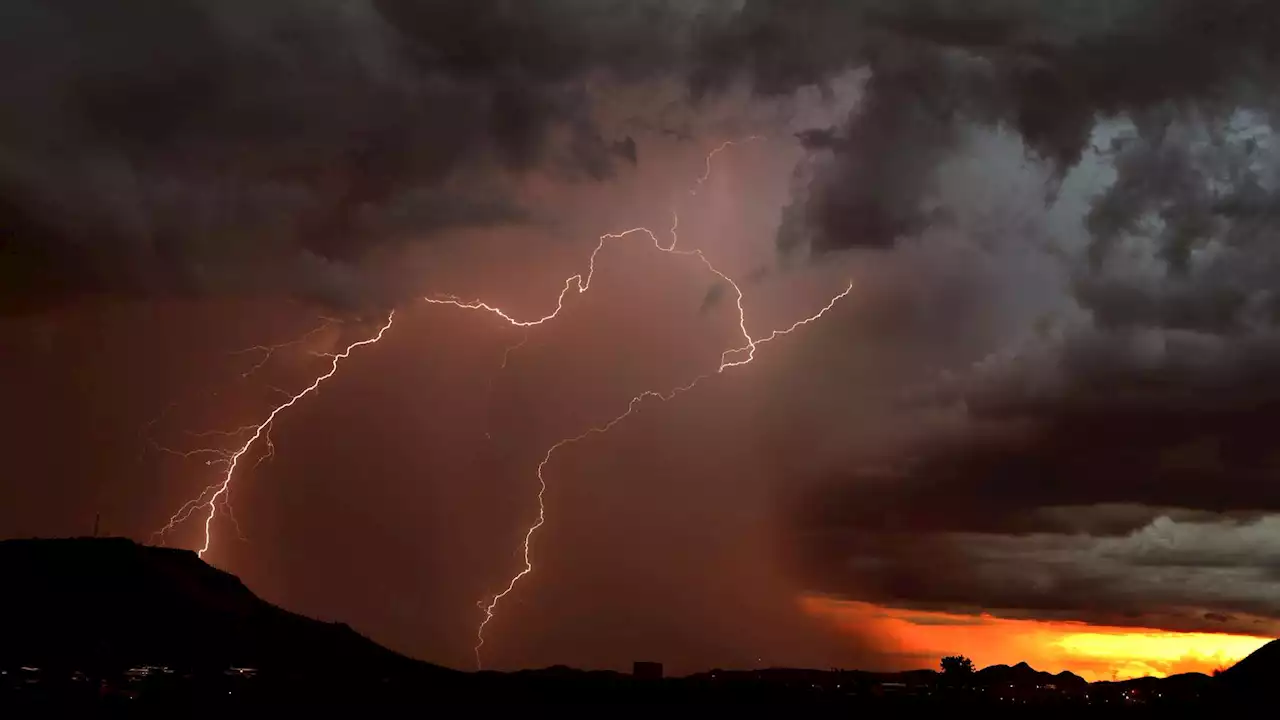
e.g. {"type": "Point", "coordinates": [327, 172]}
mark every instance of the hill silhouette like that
{"type": "Point", "coordinates": [1256, 672]}
{"type": "Point", "coordinates": [1023, 675]}
{"type": "Point", "coordinates": [94, 608]}
{"type": "Point", "coordinates": [109, 603]}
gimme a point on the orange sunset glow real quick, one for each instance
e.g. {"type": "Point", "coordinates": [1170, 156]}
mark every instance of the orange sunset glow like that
{"type": "Point", "coordinates": [1091, 651]}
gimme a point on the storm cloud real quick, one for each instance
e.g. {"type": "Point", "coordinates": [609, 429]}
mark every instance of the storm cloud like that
{"type": "Point", "coordinates": [1110, 460]}
{"type": "Point", "coordinates": [192, 146]}
{"type": "Point", "coordinates": [1072, 267]}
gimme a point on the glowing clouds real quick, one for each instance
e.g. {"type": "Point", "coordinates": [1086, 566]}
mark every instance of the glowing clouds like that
{"type": "Point", "coordinates": [919, 638]}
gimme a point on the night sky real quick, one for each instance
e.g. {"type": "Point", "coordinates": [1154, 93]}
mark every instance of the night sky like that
{"type": "Point", "coordinates": [1040, 427]}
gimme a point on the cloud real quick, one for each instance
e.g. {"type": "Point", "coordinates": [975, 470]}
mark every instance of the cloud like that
{"type": "Point", "coordinates": [193, 146]}
{"type": "Point", "coordinates": [1134, 493]}
{"type": "Point", "coordinates": [1108, 461]}
{"type": "Point", "coordinates": [1205, 575]}
{"type": "Point", "coordinates": [1043, 69]}
{"type": "Point", "coordinates": [715, 295]}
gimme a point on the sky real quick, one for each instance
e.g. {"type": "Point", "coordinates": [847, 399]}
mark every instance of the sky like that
{"type": "Point", "coordinates": [1037, 427]}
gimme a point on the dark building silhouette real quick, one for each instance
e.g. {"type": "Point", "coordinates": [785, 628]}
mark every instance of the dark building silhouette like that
{"type": "Point", "coordinates": [646, 670]}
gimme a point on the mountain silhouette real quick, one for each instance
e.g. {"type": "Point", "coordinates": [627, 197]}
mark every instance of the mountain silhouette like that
{"type": "Point", "coordinates": [86, 603]}
{"type": "Point", "coordinates": [1023, 675]}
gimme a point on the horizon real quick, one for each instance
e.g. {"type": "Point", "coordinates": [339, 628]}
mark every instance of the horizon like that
{"type": "Point", "coordinates": [1083, 667]}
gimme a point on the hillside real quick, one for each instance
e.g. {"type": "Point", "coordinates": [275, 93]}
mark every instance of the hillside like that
{"type": "Point", "coordinates": [109, 602]}
{"type": "Point", "coordinates": [1257, 671]}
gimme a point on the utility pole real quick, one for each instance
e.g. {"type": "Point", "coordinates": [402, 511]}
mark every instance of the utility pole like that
{"type": "Point", "coordinates": [97, 521]}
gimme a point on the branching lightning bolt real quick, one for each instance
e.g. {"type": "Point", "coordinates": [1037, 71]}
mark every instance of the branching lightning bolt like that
{"type": "Point", "coordinates": [725, 364]}
{"type": "Point", "coordinates": [581, 283]}
{"type": "Point", "coordinates": [219, 493]}
{"type": "Point", "coordinates": [266, 352]}
{"type": "Point", "coordinates": [506, 357]}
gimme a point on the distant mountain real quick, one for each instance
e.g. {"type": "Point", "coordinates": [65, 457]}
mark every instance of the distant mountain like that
{"type": "Point", "coordinates": [1023, 675]}
{"type": "Point", "coordinates": [109, 603]}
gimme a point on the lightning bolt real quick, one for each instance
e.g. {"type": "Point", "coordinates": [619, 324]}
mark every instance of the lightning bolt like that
{"type": "Point", "coordinates": [748, 351]}
{"type": "Point", "coordinates": [217, 495]}
{"type": "Point", "coordinates": [219, 492]}
{"type": "Point", "coordinates": [580, 284]}
{"type": "Point", "coordinates": [506, 357]}
{"type": "Point", "coordinates": [706, 174]}
{"type": "Point", "coordinates": [230, 511]}
{"type": "Point", "coordinates": [266, 352]}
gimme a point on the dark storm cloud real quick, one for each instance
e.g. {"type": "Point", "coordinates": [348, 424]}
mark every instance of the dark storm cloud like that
{"type": "Point", "coordinates": [188, 146]}
{"type": "Point", "coordinates": [1204, 574]}
{"type": "Point", "coordinates": [1046, 70]}
{"type": "Point", "coordinates": [1120, 471]}
{"type": "Point", "coordinates": [201, 146]}
{"type": "Point", "coordinates": [1117, 476]}
{"type": "Point", "coordinates": [871, 194]}
{"type": "Point", "coordinates": [1114, 465]}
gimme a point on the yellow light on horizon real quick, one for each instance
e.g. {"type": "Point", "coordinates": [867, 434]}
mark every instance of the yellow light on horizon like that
{"type": "Point", "coordinates": [1092, 651]}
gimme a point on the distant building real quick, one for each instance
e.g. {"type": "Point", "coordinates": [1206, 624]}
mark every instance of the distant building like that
{"type": "Point", "coordinates": [647, 670]}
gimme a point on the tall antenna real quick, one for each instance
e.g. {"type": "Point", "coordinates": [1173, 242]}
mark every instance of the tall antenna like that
{"type": "Point", "coordinates": [97, 522]}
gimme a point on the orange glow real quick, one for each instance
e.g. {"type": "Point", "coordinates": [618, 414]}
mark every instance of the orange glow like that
{"type": "Point", "coordinates": [1093, 652]}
